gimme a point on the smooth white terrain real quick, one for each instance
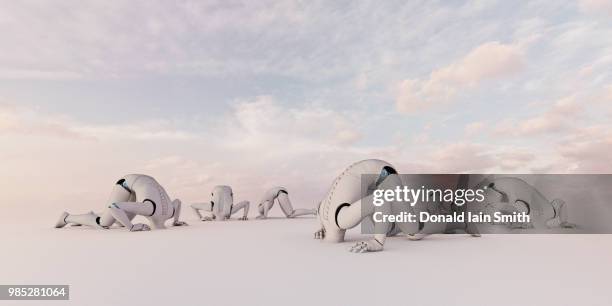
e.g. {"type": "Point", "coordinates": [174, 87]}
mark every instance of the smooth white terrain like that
{"type": "Point", "coordinates": [277, 262]}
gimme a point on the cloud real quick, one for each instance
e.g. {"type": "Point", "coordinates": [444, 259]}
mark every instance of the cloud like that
{"type": "Point", "coordinates": [39, 74]}
{"type": "Point", "coordinates": [264, 122]}
{"type": "Point", "coordinates": [292, 146]}
{"type": "Point", "coordinates": [474, 128]}
{"type": "Point", "coordinates": [27, 121]}
{"type": "Point", "coordinates": [14, 120]}
{"type": "Point", "coordinates": [515, 160]}
{"type": "Point", "coordinates": [558, 118]}
{"type": "Point", "coordinates": [587, 150]}
{"type": "Point", "coordinates": [461, 157]}
{"type": "Point", "coordinates": [155, 129]}
{"type": "Point", "coordinates": [596, 6]}
{"type": "Point", "coordinates": [287, 49]}
{"type": "Point", "coordinates": [489, 61]}
{"type": "Point", "coordinates": [470, 157]}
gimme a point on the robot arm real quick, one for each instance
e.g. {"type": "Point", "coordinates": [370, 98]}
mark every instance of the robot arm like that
{"type": "Point", "coordinates": [176, 204]}
{"type": "Point", "coordinates": [381, 229]}
{"type": "Point", "coordinates": [264, 208]}
{"type": "Point", "coordinates": [320, 234]}
{"type": "Point", "coordinates": [352, 215]}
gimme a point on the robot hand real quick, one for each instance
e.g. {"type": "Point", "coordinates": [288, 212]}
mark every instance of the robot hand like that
{"type": "Point", "coordinates": [555, 223]}
{"type": "Point", "coordinates": [139, 227]}
{"type": "Point", "coordinates": [416, 237]}
{"type": "Point", "coordinates": [179, 223]}
{"type": "Point", "coordinates": [320, 234]}
{"type": "Point", "coordinates": [371, 245]}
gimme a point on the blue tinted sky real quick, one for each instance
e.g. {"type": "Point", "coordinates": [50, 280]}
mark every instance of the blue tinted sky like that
{"type": "Point", "coordinates": [254, 94]}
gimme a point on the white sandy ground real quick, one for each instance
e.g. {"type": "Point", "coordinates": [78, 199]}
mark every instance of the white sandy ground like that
{"type": "Point", "coordinates": [276, 262]}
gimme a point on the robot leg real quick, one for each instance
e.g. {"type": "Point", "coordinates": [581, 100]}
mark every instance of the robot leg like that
{"type": "Point", "coordinates": [264, 208]}
{"type": "Point", "coordinates": [206, 207]}
{"type": "Point", "coordinates": [560, 218]}
{"type": "Point", "coordinates": [287, 208]}
{"type": "Point", "coordinates": [103, 218]}
{"type": "Point", "coordinates": [120, 211]}
{"type": "Point", "coordinates": [89, 219]}
{"type": "Point", "coordinates": [242, 205]}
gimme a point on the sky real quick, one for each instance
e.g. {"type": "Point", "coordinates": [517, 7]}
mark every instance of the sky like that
{"type": "Point", "coordinates": [257, 94]}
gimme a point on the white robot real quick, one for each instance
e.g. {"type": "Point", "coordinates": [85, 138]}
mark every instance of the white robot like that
{"type": "Point", "coordinates": [134, 194]}
{"type": "Point", "coordinates": [341, 209]}
{"type": "Point", "coordinates": [510, 194]}
{"type": "Point", "coordinates": [221, 206]}
{"type": "Point", "coordinates": [280, 194]}
{"type": "Point", "coordinates": [347, 204]}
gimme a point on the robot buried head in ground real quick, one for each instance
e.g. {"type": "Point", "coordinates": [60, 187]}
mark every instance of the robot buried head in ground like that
{"type": "Point", "coordinates": [349, 203]}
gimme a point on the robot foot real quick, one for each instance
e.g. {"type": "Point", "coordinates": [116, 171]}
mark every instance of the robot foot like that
{"type": "Point", "coordinates": [567, 225]}
{"type": "Point", "coordinates": [260, 217]}
{"type": "Point", "coordinates": [139, 227]}
{"type": "Point", "coordinates": [557, 223]}
{"type": "Point", "coordinates": [522, 225]}
{"type": "Point", "coordinates": [61, 222]}
{"type": "Point", "coordinates": [243, 218]}
{"type": "Point", "coordinates": [366, 246]}
{"type": "Point", "coordinates": [472, 230]}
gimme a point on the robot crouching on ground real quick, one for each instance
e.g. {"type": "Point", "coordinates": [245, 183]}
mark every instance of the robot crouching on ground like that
{"type": "Point", "coordinates": [132, 195]}
{"type": "Point", "coordinates": [510, 195]}
{"type": "Point", "coordinates": [281, 195]}
{"type": "Point", "coordinates": [346, 205]}
{"type": "Point", "coordinates": [221, 206]}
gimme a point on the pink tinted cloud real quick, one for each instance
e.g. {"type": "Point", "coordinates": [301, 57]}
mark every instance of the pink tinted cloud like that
{"type": "Point", "coordinates": [489, 61]}
{"type": "Point", "coordinates": [587, 150]}
{"type": "Point", "coordinates": [558, 118]}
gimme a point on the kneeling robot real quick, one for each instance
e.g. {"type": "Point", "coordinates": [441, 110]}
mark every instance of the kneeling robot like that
{"type": "Point", "coordinates": [513, 195]}
{"type": "Point", "coordinates": [346, 205]}
{"type": "Point", "coordinates": [281, 195]}
{"type": "Point", "coordinates": [221, 206]}
{"type": "Point", "coordinates": [132, 195]}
